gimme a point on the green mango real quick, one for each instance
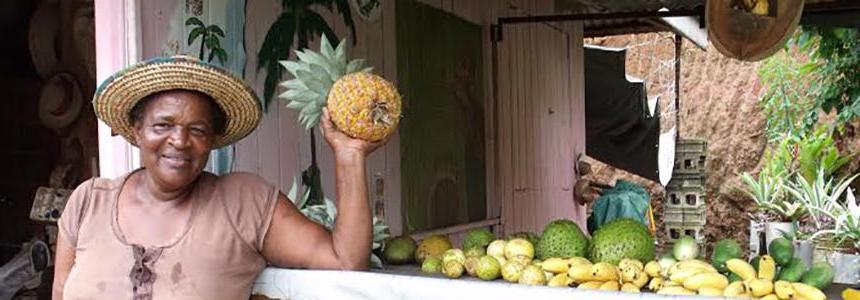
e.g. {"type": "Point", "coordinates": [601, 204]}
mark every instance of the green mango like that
{"type": "Point", "coordinates": [782, 250]}
{"type": "Point", "coordinates": [724, 250]}
{"type": "Point", "coordinates": [820, 275]}
{"type": "Point", "coordinates": [793, 272]}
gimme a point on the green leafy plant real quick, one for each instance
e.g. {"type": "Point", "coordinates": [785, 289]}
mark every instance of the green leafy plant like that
{"type": "Point", "coordinates": [766, 191]}
{"type": "Point", "coordinates": [846, 221]}
{"type": "Point", "coordinates": [820, 197]}
{"type": "Point", "coordinates": [817, 152]}
{"type": "Point", "coordinates": [787, 100]}
{"type": "Point", "coordinates": [325, 214]}
{"type": "Point", "coordinates": [209, 39]}
{"type": "Point", "coordinates": [835, 65]}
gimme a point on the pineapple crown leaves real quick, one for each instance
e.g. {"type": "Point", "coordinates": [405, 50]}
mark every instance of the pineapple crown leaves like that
{"type": "Point", "coordinates": [313, 75]}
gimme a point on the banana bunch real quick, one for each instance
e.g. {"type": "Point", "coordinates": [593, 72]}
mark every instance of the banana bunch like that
{"type": "Point", "coordinates": [556, 270]}
{"type": "Point", "coordinates": [560, 270]}
{"type": "Point", "coordinates": [628, 276]}
{"type": "Point", "coordinates": [760, 284]}
{"type": "Point", "coordinates": [758, 7]}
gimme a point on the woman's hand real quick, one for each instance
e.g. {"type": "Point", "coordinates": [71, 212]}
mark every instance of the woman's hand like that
{"type": "Point", "coordinates": [343, 144]}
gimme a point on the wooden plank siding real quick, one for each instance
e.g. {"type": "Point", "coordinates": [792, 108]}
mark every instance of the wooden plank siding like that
{"type": "Point", "coordinates": [541, 124]}
{"type": "Point", "coordinates": [540, 68]}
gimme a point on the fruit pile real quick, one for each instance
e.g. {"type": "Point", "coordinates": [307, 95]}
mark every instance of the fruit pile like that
{"type": "Point", "coordinates": [619, 257]}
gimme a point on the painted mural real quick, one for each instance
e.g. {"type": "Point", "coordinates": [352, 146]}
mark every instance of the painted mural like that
{"type": "Point", "coordinates": [212, 31]}
{"type": "Point", "coordinates": [442, 132]}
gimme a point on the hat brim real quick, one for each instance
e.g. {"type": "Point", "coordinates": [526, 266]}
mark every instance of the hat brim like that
{"type": "Point", "coordinates": [118, 94]}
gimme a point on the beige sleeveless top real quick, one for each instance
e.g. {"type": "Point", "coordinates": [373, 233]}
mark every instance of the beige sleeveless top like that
{"type": "Point", "coordinates": [217, 256]}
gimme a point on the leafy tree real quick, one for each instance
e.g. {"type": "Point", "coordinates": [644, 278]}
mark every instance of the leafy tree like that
{"type": "Point", "coordinates": [836, 67]}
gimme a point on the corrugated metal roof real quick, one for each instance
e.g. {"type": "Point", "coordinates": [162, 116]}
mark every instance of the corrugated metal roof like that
{"type": "Point", "coordinates": [639, 5]}
{"type": "Point", "coordinates": [603, 27]}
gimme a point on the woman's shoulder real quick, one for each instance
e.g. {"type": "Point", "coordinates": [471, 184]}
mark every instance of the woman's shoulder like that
{"type": "Point", "coordinates": [98, 184]}
{"type": "Point", "coordinates": [242, 179]}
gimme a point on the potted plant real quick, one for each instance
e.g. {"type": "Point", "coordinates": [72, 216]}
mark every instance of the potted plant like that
{"type": "Point", "coordinates": [836, 225]}
{"type": "Point", "coordinates": [775, 213]}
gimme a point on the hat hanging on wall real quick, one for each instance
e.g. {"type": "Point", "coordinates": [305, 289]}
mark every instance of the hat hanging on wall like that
{"type": "Point", "coordinates": [84, 37]}
{"type": "Point", "coordinates": [751, 32]}
{"type": "Point", "coordinates": [43, 37]}
{"type": "Point", "coordinates": [60, 102]}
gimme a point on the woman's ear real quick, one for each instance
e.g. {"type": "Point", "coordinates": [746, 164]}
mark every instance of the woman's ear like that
{"type": "Point", "coordinates": [138, 130]}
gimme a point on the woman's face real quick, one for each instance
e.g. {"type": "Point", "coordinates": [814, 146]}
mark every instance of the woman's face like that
{"type": "Point", "coordinates": [175, 135]}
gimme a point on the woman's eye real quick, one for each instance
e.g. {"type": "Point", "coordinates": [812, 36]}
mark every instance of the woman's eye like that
{"type": "Point", "coordinates": [198, 131]}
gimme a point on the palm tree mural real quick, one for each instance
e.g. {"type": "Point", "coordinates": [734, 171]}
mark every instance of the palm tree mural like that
{"type": "Point", "coordinates": [298, 24]}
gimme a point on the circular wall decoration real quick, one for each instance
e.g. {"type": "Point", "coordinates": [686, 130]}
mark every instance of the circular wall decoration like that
{"type": "Point", "coordinates": [368, 10]}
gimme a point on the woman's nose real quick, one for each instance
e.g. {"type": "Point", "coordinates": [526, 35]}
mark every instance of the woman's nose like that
{"type": "Point", "coordinates": [179, 137]}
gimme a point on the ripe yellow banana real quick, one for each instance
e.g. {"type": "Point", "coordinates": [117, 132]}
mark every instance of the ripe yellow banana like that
{"type": "Point", "coordinates": [560, 280]}
{"type": "Point", "coordinates": [742, 268]}
{"type": "Point", "coordinates": [630, 288]}
{"type": "Point", "coordinates": [769, 297]}
{"type": "Point", "coordinates": [759, 287]}
{"type": "Point", "coordinates": [762, 8]}
{"type": "Point", "coordinates": [696, 262]}
{"type": "Point", "coordinates": [641, 281]}
{"type": "Point", "coordinates": [808, 292]}
{"type": "Point", "coordinates": [734, 289]}
{"type": "Point", "coordinates": [580, 273]}
{"type": "Point", "coordinates": [712, 292]}
{"type": "Point", "coordinates": [591, 285]}
{"type": "Point", "coordinates": [656, 284]}
{"type": "Point", "coordinates": [783, 290]}
{"type": "Point", "coordinates": [555, 265]}
{"type": "Point", "coordinates": [630, 263]}
{"type": "Point", "coordinates": [611, 285]}
{"type": "Point", "coordinates": [681, 275]}
{"type": "Point", "coordinates": [766, 267]}
{"type": "Point", "coordinates": [652, 268]}
{"type": "Point", "coordinates": [675, 290]}
{"type": "Point", "coordinates": [630, 270]}
{"type": "Point", "coordinates": [604, 272]}
{"type": "Point", "coordinates": [709, 280]}
{"type": "Point", "coordinates": [578, 261]}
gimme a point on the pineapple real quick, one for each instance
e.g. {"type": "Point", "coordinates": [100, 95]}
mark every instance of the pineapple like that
{"type": "Point", "coordinates": [361, 104]}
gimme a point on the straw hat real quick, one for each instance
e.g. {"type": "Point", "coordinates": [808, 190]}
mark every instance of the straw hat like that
{"type": "Point", "coordinates": [116, 96]}
{"type": "Point", "coordinates": [43, 34]}
{"type": "Point", "coordinates": [60, 101]}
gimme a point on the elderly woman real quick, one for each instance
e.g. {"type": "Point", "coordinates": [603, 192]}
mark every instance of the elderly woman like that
{"type": "Point", "coordinates": [169, 230]}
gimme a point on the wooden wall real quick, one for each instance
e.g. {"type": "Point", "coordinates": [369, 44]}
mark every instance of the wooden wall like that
{"type": "Point", "coordinates": [540, 124]}
{"type": "Point", "coordinates": [540, 70]}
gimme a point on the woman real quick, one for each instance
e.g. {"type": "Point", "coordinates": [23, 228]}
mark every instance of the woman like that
{"type": "Point", "coordinates": [171, 231]}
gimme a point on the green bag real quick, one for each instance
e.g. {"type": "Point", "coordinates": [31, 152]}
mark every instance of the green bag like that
{"type": "Point", "coordinates": [625, 200]}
